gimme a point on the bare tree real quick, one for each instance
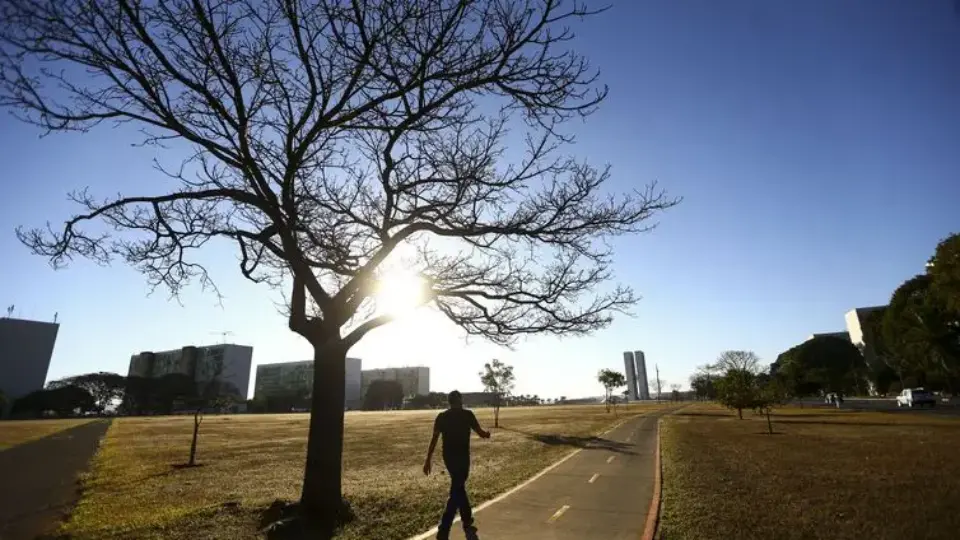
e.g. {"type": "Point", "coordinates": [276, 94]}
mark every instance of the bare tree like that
{"type": "Point", "coordinates": [736, 360]}
{"type": "Point", "coordinates": [325, 134]}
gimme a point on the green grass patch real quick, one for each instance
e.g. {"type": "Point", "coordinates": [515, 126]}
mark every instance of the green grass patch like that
{"type": "Point", "coordinates": [134, 489]}
{"type": "Point", "coordinates": [14, 432]}
{"type": "Point", "coordinates": [826, 474]}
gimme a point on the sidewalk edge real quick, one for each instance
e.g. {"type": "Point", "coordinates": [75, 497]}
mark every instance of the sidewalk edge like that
{"type": "Point", "coordinates": [653, 513]}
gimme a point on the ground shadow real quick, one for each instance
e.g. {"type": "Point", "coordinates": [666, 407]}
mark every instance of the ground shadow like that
{"type": "Point", "coordinates": [285, 520]}
{"type": "Point", "coordinates": [594, 443]}
{"type": "Point", "coordinates": [179, 466]}
{"type": "Point", "coordinates": [870, 424]}
{"type": "Point", "coordinates": [705, 414]}
{"type": "Point", "coordinates": [813, 414]}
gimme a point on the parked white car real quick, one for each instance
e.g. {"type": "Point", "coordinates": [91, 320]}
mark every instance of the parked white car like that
{"type": "Point", "coordinates": [911, 397]}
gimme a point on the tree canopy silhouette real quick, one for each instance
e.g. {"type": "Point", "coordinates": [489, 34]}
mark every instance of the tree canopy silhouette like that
{"type": "Point", "coordinates": [325, 134]}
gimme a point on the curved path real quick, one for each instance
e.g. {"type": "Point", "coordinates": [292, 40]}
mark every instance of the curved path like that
{"type": "Point", "coordinates": [602, 492]}
{"type": "Point", "coordinates": [39, 480]}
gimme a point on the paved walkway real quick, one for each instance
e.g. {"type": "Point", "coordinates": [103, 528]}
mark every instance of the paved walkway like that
{"type": "Point", "coordinates": [39, 480]}
{"type": "Point", "coordinates": [603, 492]}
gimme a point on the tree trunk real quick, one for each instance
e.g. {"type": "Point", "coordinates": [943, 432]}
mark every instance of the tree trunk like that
{"type": "Point", "coordinates": [321, 497]}
{"type": "Point", "coordinates": [769, 424]}
{"type": "Point", "coordinates": [193, 443]}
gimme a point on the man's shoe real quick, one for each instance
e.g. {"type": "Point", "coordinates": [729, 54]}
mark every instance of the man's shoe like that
{"type": "Point", "coordinates": [471, 532]}
{"type": "Point", "coordinates": [443, 534]}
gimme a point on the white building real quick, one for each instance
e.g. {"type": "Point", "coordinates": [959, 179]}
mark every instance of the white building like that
{"type": "Point", "coordinates": [642, 384]}
{"type": "Point", "coordinates": [297, 377]}
{"type": "Point", "coordinates": [858, 332]}
{"type": "Point", "coordinates": [228, 362]}
{"type": "Point", "coordinates": [414, 380]}
{"type": "Point", "coordinates": [630, 367]}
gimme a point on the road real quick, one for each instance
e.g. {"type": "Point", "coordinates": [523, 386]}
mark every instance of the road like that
{"type": "Point", "coordinates": [39, 480]}
{"type": "Point", "coordinates": [603, 492]}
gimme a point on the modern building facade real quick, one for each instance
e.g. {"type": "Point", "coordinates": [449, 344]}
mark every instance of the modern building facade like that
{"type": "Point", "coordinates": [25, 351]}
{"type": "Point", "coordinates": [642, 384]}
{"type": "Point", "coordinates": [630, 367]}
{"type": "Point", "coordinates": [297, 378]}
{"type": "Point", "coordinates": [227, 362]}
{"type": "Point", "coordinates": [414, 380]}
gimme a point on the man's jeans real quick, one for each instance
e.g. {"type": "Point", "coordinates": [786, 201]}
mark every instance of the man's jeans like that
{"type": "Point", "coordinates": [458, 501]}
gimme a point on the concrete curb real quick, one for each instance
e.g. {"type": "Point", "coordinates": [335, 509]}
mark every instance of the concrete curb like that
{"type": "Point", "coordinates": [428, 534]}
{"type": "Point", "coordinates": [653, 513]}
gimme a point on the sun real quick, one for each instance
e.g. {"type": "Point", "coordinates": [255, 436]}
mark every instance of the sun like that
{"type": "Point", "coordinates": [399, 293]}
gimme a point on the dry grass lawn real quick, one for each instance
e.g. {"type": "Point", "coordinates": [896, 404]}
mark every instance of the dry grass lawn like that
{"type": "Point", "coordinates": [826, 474]}
{"type": "Point", "coordinates": [14, 432]}
{"type": "Point", "coordinates": [134, 489]}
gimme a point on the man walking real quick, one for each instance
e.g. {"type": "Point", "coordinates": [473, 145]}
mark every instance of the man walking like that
{"type": "Point", "coordinates": [455, 425]}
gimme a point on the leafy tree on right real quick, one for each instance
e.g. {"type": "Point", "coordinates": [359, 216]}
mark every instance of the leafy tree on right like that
{"type": "Point", "coordinates": [920, 329]}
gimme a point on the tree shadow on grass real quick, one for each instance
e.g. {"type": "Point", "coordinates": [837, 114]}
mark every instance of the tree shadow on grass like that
{"type": "Point", "coordinates": [179, 466]}
{"type": "Point", "coordinates": [872, 424]}
{"type": "Point", "coordinates": [587, 443]}
{"type": "Point", "coordinates": [286, 520]}
{"type": "Point", "coordinates": [704, 414]}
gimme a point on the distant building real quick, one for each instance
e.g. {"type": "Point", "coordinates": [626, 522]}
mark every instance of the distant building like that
{"type": "Point", "coordinates": [25, 351]}
{"type": "Point", "coordinates": [283, 378]}
{"type": "Point", "coordinates": [630, 366]}
{"type": "Point", "coordinates": [841, 335]}
{"type": "Point", "coordinates": [200, 364]}
{"type": "Point", "coordinates": [414, 380]}
{"type": "Point", "coordinates": [297, 377]}
{"type": "Point", "coordinates": [642, 384]}
{"type": "Point", "coordinates": [859, 333]}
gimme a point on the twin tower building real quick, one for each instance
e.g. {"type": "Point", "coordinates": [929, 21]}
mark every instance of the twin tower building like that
{"type": "Point", "coordinates": [635, 364]}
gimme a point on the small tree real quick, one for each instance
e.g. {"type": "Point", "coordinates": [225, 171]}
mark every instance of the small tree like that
{"type": "Point", "coordinates": [497, 378]}
{"type": "Point", "coordinates": [212, 394]}
{"type": "Point", "coordinates": [675, 392]}
{"type": "Point", "coordinates": [611, 380]}
{"type": "Point", "coordinates": [737, 390]}
{"type": "Point", "coordinates": [772, 393]}
{"type": "Point", "coordinates": [382, 395]}
{"type": "Point", "coordinates": [702, 384]}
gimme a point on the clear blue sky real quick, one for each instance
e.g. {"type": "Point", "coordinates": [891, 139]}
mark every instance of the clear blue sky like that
{"type": "Point", "coordinates": [815, 144]}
